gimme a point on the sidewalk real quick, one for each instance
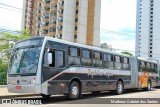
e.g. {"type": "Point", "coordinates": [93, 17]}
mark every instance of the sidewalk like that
{"type": "Point", "coordinates": [5, 94]}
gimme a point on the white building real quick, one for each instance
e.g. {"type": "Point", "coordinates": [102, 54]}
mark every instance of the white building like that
{"type": "Point", "coordinates": [148, 29]}
{"type": "Point", "coordinates": [71, 20]}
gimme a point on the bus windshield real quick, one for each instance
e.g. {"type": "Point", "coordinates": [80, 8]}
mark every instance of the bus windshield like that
{"type": "Point", "coordinates": [24, 61]}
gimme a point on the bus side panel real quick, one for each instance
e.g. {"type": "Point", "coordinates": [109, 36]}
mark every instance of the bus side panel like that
{"type": "Point", "coordinates": [91, 79]}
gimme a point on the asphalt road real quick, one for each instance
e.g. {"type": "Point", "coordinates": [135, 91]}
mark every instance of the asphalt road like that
{"type": "Point", "coordinates": [93, 100]}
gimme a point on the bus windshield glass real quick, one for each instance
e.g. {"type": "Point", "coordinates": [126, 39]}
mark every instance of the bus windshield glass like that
{"type": "Point", "coordinates": [25, 61]}
{"type": "Point", "coordinates": [25, 56]}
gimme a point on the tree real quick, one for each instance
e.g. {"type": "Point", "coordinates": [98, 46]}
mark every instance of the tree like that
{"type": "Point", "coordinates": [7, 40]}
{"type": "Point", "coordinates": [127, 53]}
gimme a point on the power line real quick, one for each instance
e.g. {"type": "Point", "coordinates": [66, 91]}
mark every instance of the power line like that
{"type": "Point", "coordinates": [10, 9]}
{"type": "Point", "coordinates": [11, 6]}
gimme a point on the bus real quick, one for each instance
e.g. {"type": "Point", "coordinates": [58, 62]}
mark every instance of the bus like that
{"type": "Point", "coordinates": [49, 66]}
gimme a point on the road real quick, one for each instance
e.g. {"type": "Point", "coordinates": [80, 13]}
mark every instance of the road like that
{"type": "Point", "coordinates": [93, 100]}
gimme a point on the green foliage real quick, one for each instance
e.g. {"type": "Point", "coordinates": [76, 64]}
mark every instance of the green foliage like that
{"type": "Point", "coordinates": [8, 41]}
{"type": "Point", "coordinates": [3, 74]}
{"type": "Point", "coordinates": [127, 53]}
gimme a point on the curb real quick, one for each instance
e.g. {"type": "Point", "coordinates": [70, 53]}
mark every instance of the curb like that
{"type": "Point", "coordinates": [3, 86]}
{"type": "Point", "coordinates": [17, 96]}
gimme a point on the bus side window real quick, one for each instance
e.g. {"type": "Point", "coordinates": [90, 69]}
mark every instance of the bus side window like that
{"type": "Point", "coordinates": [97, 59]}
{"type": "Point", "coordinates": [118, 64]}
{"type": "Point", "coordinates": [142, 66]}
{"type": "Point", "coordinates": [108, 61]}
{"type": "Point", "coordinates": [152, 67]}
{"type": "Point", "coordinates": [125, 64]}
{"type": "Point", "coordinates": [155, 68]}
{"type": "Point", "coordinates": [86, 57]}
{"type": "Point", "coordinates": [148, 67]}
{"type": "Point", "coordinates": [57, 59]}
{"type": "Point", "coordinates": [73, 56]}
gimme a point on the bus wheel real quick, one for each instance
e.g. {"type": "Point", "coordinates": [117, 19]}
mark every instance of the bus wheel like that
{"type": "Point", "coordinates": [119, 88]}
{"type": "Point", "coordinates": [74, 90]}
{"type": "Point", "coordinates": [149, 86]}
{"type": "Point", "coordinates": [46, 96]}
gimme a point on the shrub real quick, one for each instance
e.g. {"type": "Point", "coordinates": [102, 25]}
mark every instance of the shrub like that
{"type": "Point", "coordinates": [3, 74]}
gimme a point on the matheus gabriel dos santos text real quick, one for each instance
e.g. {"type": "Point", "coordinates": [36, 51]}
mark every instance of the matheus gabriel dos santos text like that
{"type": "Point", "coordinates": [135, 101]}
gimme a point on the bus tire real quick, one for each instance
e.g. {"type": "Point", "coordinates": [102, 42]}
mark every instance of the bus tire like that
{"type": "Point", "coordinates": [119, 88]}
{"type": "Point", "coordinates": [74, 90]}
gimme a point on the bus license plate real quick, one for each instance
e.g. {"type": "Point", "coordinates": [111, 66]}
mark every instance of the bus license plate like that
{"type": "Point", "coordinates": [18, 87]}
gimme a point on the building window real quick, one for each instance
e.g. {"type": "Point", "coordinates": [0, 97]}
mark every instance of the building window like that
{"type": "Point", "coordinates": [150, 51]}
{"type": "Point", "coordinates": [75, 36]}
{"type": "Point", "coordinates": [76, 11]}
{"type": "Point", "coordinates": [77, 3]}
{"type": "Point", "coordinates": [76, 20]}
{"type": "Point", "coordinates": [76, 28]}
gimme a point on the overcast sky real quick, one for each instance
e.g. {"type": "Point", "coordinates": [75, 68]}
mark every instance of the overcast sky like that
{"type": "Point", "coordinates": [116, 15]}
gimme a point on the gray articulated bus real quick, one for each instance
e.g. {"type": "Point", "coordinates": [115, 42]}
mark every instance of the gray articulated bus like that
{"type": "Point", "coordinates": [49, 66]}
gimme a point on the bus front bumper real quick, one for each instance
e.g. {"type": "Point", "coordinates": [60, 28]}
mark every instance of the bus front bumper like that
{"type": "Point", "coordinates": [31, 89]}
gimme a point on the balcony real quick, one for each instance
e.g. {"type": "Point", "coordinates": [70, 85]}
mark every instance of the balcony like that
{"type": "Point", "coordinates": [60, 23]}
{"type": "Point", "coordinates": [44, 27]}
{"type": "Point", "coordinates": [31, 6]}
{"type": "Point", "coordinates": [52, 25]}
{"type": "Point", "coordinates": [52, 33]}
{"type": "Point", "coordinates": [54, 9]}
{"type": "Point", "coordinates": [47, 4]}
{"type": "Point", "coordinates": [46, 12]}
{"type": "Point", "coordinates": [44, 35]}
{"type": "Point", "coordinates": [31, 0]}
{"type": "Point", "coordinates": [45, 20]}
{"type": "Point", "coordinates": [59, 32]}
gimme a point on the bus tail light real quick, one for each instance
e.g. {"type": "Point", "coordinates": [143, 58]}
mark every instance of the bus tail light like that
{"type": "Point", "coordinates": [63, 85]}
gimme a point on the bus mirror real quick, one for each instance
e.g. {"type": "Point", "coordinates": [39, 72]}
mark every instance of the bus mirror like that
{"type": "Point", "coordinates": [49, 58]}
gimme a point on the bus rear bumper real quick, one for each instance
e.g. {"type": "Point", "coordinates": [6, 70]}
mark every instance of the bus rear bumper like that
{"type": "Point", "coordinates": [31, 89]}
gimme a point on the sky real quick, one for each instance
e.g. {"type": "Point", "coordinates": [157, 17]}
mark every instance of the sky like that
{"type": "Point", "coordinates": [116, 16]}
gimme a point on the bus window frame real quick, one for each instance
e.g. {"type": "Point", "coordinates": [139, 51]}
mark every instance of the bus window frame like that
{"type": "Point", "coordinates": [96, 59]}
{"type": "Point", "coordinates": [108, 61]}
{"type": "Point", "coordinates": [69, 55]}
{"type": "Point", "coordinates": [82, 49]}
{"type": "Point", "coordinates": [118, 62]}
{"type": "Point", "coordinates": [64, 55]}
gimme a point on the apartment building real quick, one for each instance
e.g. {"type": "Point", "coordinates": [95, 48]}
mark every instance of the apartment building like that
{"type": "Point", "coordinates": [71, 20]}
{"type": "Point", "coordinates": [148, 29]}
